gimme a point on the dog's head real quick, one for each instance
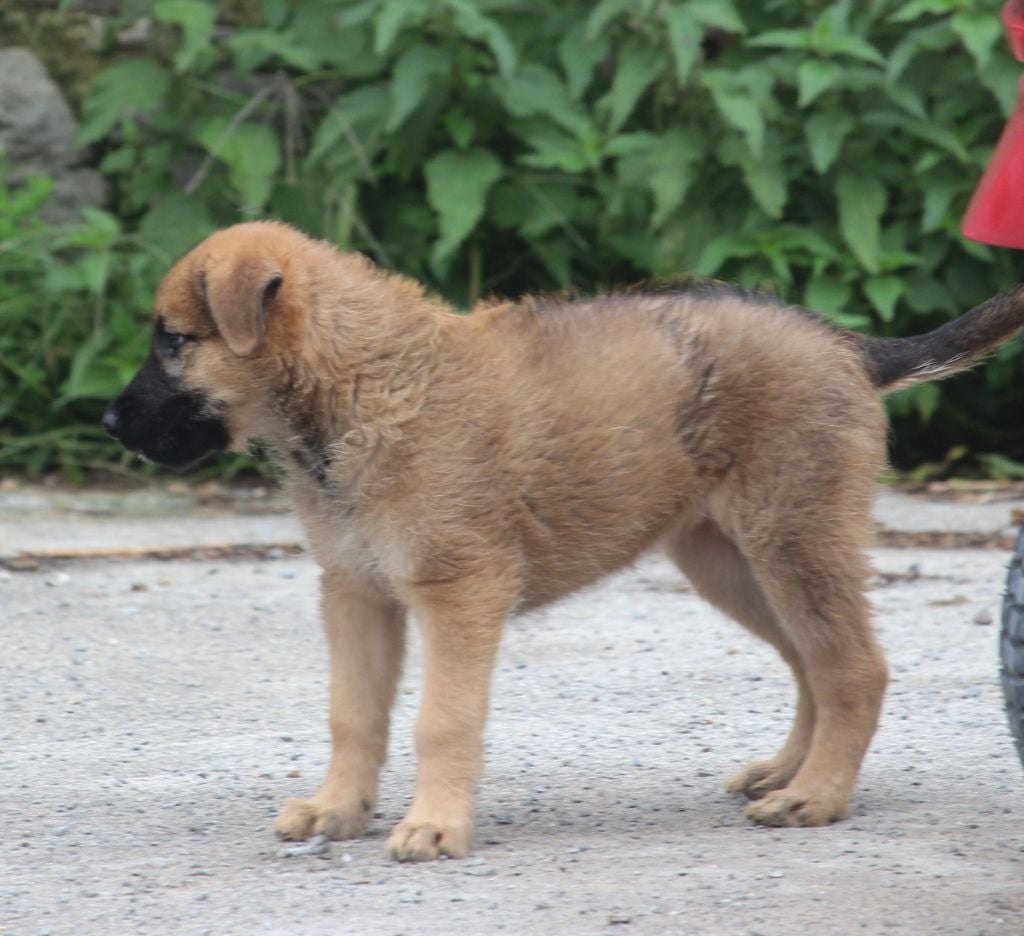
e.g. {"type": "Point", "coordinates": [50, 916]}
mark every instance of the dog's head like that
{"type": "Point", "coordinates": [217, 314]}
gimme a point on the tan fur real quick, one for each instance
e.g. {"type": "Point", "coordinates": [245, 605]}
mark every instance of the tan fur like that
{"type": "Point", "coordinates": [465, 467]}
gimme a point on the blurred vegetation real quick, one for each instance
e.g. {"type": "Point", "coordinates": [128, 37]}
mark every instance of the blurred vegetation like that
{"type": "Point", "coordinates": [824, 149]}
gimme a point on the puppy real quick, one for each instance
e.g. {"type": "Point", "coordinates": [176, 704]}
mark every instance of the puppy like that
{"type": "Point", "coordinates": [465, 468]}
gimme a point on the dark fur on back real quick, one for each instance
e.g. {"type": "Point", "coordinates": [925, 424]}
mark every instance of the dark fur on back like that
{"type": "Point", "coordinates": [891, 363]}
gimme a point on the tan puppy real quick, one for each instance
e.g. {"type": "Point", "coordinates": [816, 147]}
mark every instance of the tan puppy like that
{"type": "Point", "coordinates": [465, 468]}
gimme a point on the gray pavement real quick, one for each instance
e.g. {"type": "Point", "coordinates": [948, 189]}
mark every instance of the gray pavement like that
{"type": "Point", "coordinates": [158, 712]}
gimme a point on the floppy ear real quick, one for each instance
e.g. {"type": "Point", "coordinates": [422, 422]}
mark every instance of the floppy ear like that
{"type": "Point", "coordinates": [238, 295]}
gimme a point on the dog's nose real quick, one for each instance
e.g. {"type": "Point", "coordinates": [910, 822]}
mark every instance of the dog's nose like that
{"type": "Point", "coordinates": [110, 421]}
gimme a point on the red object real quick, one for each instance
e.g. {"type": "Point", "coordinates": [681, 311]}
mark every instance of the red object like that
{"type": "Point", "coordinates": [996, 212]}
{"type": "Point", "coordinates": [1013, 20]}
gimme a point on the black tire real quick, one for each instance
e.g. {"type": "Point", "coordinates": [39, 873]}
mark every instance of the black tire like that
{"type": "Point", "coordinates": [1011, 645]}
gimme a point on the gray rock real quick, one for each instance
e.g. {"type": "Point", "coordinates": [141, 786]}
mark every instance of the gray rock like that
{"type": "Point", "coordinates": [37, 128]}
{"type": "Point", "coordinates": [37, 135]}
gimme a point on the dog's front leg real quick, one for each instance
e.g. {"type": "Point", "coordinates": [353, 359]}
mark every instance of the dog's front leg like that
{"type": "Point", "coordinates": [462, 624]}
{"type": "Point", "coordinates": [366, 635]}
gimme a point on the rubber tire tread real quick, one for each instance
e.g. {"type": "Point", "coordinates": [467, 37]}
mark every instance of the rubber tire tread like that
{"type": "Point", "coordinates": [1011, 645]}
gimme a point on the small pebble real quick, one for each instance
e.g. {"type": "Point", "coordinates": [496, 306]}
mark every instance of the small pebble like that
{"type": "Point", "coordinates": [983, 618]}
{"type": "Point", "coordinates": [319, 845]}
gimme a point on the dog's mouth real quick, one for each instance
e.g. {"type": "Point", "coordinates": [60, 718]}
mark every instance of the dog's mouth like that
{"type": "Point", "coordinates": [158, 419]}
{"type": "Point", "coordinates": [175, 433]}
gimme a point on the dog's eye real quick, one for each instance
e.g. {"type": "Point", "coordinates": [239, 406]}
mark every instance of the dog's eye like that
{"type": "Point", "coordinates": [173, 343]}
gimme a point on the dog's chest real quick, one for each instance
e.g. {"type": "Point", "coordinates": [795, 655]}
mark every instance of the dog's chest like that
{"type": "Point", "coordinates": [343, 537]}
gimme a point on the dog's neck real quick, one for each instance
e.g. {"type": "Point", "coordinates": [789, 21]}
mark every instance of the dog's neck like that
{"type": "Point", "coordinates": [357, 385]}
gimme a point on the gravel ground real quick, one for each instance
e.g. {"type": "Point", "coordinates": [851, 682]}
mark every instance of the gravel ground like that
{"type": "Point", "coordinates": [158, 714]}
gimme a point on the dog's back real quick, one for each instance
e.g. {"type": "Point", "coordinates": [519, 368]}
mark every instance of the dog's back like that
{"type": "Point", "coordinates": [609, 422]}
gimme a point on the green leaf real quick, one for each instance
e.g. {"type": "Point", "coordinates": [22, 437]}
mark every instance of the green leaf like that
{"type": "Point", "coordinates": [791, 238]}
{"type": "Point", "coordinates": [938, 197]}
{"type": "Point", "coordinates": [643, 141]}
{"type": "Point", "coordinates": [978, 30]}
{"type": "Point", "coordinates": [926, 294]}
{"type": "Point", "coordinates": [736, 104]}
{"type": "Point", "coordinates": [252, 46]}
{"type": "Point", "coordinates": [553, 148]}
{"type": "Point", "coordinates": [884, 292]}
{"type": "Point", "coordinates": [831, 296]}
{"type": "Point", "coordinates": [475, 25]}
{"type": "Point", "coordinates": [1000, 76]}
{"type": "Point", "coordinates": [393, 15]}
{"type": "Point", "coordinates": [943, 137]}
{"type": "Point", "coordinates": [917, 8]}
{"type": "Point", "coordinates": [781, 39]}
{"type": "Point", "coordinates": [357, 114]}
{"type": "Point", "coordinates": [102, 227]}
{"type": "Point", "coordinates": [931, 38]}
{"type": "Point", "coordinates": [605, 12]}
{"type": "Point", "coordinates": [457, 186]}
{"type": "Point", "coordinates": [556, 256]}
{"type": "Point", "coordinates": [196, 20]}
{"type": "Point", "coordinates": [813, 77]}
{"type": "Point", "coordinates": [719, 14]}
{"type": "Point", "coordinates": [857, 48]}
{"type": "Point", "coordinates": [1001, 468]}
{"type": "Point", "coordinates": [536, 89]}
{"type": "Point", "coordinates": [579, 57]}
{"type": "Point", "coordinates": [722, 248]}
{"type": "Point", "coordinates": [275, 12]}
{"type": "Point", "coordinates": [356, 13]}
{"type": "Point", "coordinates": [461, 128]}
{"type": "Point", "coordinates": [825, 132]}
{"type": "Point", "coordinates": [862, 201]}
{"type": "Point", "coordinates": [637, 68]}
{"type": "Point", "coordinates": [411, 79]}
{"type": "Point", "coordinates": [175, 224]}
{"type": "Point", "coordinates": [88, 378]}
{"type": "Point", "coordinates": [120, 91]}
{"type": "Point", "coordinates": [672, 157]}
{"type": "Point", "coordinates": [767, 182]}
{"type": "Point", "coordinates": [907, 97]}
{"type": "Point", "coordinates": [118, 160]}
{"type": "Point", "coordinates": [684, 37]}
{"type": "Point", "coordinates": [251, 152]}
{"type": "Point", "coordinates": [546, 207]}
{"type": "Point", "coordinates": [94, 269]}
{"type": "Point", "coordinates": [926, 402]}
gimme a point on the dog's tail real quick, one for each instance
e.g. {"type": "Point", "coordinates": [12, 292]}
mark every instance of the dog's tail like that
{"type": "Point", "coordinates": [894, 363]}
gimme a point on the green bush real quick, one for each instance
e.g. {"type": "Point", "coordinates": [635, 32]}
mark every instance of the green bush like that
{"type": "Point", "coordinates": [824, 149]}
{"type": "Point", "coordinates": [70, 334]}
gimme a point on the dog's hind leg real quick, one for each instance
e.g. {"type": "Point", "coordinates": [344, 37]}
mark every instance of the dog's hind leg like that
{"type": "Point", "coordinates": [366, 636]}
{"type": "Point", "coordinates": [722, 576]}
{"type": "Point", "coordinates": [814, 580]}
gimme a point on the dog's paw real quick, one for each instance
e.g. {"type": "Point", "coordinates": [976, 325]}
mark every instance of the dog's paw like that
{"type": "Point", "coordinates": [759, 779]}
{"type": "Point", "coordinates": [791, 807]}
{"type": "Point", "coordinates": [301, 819]}
{"type": "Point", "coordinates": [425, 841]}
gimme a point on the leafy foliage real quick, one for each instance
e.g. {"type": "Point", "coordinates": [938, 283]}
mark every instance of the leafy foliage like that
{"type": "Point", "coordinates": [825, 149]}
{"type": "Point", "coordinates": [70, 337]}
